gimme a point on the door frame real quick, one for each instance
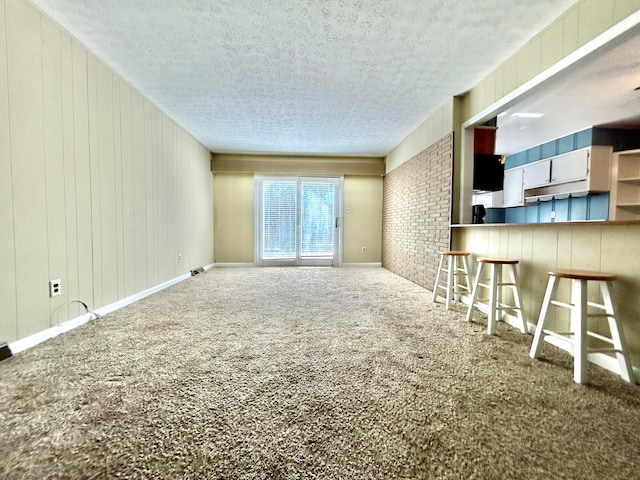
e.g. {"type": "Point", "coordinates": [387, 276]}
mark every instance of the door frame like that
{"type": "Point", "coordinates": [338, 180]}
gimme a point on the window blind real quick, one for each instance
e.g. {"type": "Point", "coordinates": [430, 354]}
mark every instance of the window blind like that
{"type": "Point", "coordinates": [279, 219]}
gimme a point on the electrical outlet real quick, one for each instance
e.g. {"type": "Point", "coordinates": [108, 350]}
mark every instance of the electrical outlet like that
{"type": "Point", "coordinates": [179, 258]}
{"type": "Point", "coordinates": [364, 249]}
{"type": "Point", "coordinates": [55, 287]}
{"type": "Point", "coordinates": [553, 214]}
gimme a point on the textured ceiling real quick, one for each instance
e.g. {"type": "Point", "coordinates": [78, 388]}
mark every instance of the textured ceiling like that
{"type": "Point", "coordinates": [302, 76]}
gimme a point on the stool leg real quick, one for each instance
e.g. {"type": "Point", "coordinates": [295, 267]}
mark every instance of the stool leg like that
{"type": "Point", "coordinates": [617, 335]}
{"type": "Point", "coordinates": [467, 278]}
{"type": "Point", "coordinates": [500, 301]}
{"type": "Point", "coordinates": [474, 293]}
{"type": "Point", "coordinates": [539, 335]}
{"type": "Point", "coordinates": [450, 279]}
{"type": "Point", "coordinates": [456, 282]}
{"type": "Point", "coordinates": [435, 287]}
{"type": "Point", "coordinates": [579, 329]}
{"type": "Point", "coordinates": [516, 299]}
{"type": "Point", "coordinates": [493, 296]}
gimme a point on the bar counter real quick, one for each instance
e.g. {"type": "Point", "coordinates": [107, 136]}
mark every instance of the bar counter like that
{"type": "Point", "coordinates": [605, 246]}
{"type": "Point", "coordinates": [549, 224]}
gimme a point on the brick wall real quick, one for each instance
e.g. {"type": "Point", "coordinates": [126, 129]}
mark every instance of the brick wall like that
{"type": "Point", "coordinates": [416, 213]}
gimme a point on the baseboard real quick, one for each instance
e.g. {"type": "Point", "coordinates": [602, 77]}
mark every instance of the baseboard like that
{"type": "Point", "coordinates": [362, 264]}
{"type": "Point", "coordinates": [232, 264]}
{"type": "Point", "coordinates": [507, 318]}
{"type": "Point", "coordinates": [239, 264]}
{"type": "Point", "coordinates": [601, 359]}
{"type": "Point", "coordinates": [37, 338]}
{"type": "Point", "coordinates": [515, 323]}
{"type": "Point", "coordinates": [139, 296]}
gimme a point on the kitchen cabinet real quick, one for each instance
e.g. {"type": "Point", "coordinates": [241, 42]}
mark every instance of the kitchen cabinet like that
{"type": "Point", "coordinates": [591, 165]}
{"type": "Point", "coordinates": [624, 203]}
{"type": "Point", "coordinates": [484, 140]}
{"type": "Point", "coordinates": [513, 187]}
{"type": "Point", "coordinates": [536, 174]}
{"type": "Point", "coordinates": [576, 173]}
{"type": "Point", "coordinates": [570, 166]}
{"type": "Point", "coordinates": [587, 170]}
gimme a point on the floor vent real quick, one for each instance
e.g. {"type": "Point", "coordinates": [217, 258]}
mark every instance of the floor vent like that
{"type": "Point", "coordinates": [196, 271]}
{"type": "Point", "coordinates": [5, 352]}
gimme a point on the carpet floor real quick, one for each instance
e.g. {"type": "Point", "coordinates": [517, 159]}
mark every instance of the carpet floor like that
{"type": "Point", "coordinates": [307, 373]}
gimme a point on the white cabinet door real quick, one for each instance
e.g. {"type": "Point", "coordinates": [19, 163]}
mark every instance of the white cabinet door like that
{"type": "Point", "coordinates": [513, 190]}
{"type": "Point", "coordinates": [570, 167]}
{"type": "Point", "coordinates": [536, 174]}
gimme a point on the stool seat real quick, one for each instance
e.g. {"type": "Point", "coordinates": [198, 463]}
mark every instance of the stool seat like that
{"type": "Point", "coordinates": [583, 275]}
{"type": "Point", "coordinates": [457, 266]}
{"type": "Point", "coordinates": [494, 305]}
{"type": "Point", "coordinates": [575, 341]}
{"type": "Point", "coordinates": [497, 261]}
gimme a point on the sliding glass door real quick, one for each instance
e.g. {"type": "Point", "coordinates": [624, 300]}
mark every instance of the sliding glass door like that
{"type": "Point", "coordinates": [297, 220]}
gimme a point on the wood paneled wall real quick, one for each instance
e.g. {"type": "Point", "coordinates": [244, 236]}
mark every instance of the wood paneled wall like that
{"type": "Point", "coordinates": [436, 126]}
{"type": "Point", "coordinates": [98, 187]}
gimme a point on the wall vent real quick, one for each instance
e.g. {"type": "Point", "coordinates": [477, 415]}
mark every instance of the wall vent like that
{"type": "Point", "coordinates": [196, 271]}
{"type": "Point", "coordinates": [5, 351]}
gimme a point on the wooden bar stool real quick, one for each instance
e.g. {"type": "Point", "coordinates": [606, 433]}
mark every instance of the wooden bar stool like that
{"type": "Point", "coordinates": [454, 269]}
{"type": "Point", "coordinates": [575, 341]}
{"type": "Point", "coordinates": [494, 305]}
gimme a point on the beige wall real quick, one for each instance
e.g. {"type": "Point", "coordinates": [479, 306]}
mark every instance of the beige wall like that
{"type": "Point", "coordinates": [607, 248]}
{"type": "Point", "coordinates": [297, 164]}
{"type": "Point", "coordinates": [436, 126]}
{"type": "Point", "coordinates": [97, 187]}
{"type": "Point", "coordinates": [234, 218]}
{"type": "Point", "coordinates": [362, 227]}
